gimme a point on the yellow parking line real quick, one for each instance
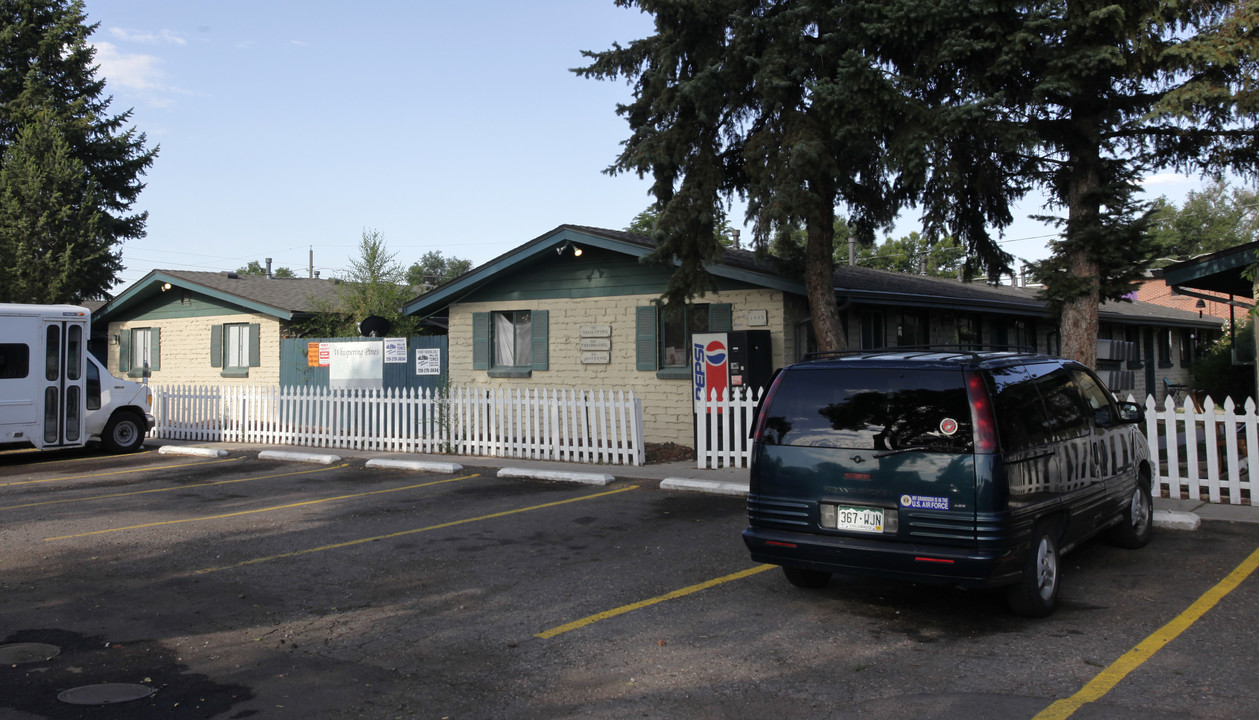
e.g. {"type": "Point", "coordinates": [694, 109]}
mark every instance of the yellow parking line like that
{"type": "Point", "coordinates": [37, 453]}
{"type": "Point", "coordinates": [390, 536]}
{"type": "Point", "coordinates": [304, 503]}
{"type": "Point", "coordinates": [117, 472]}
{"type": "Point", "coordinates": [165, 489]}
{"type": "Point", "coordinates": [1107, 679]}
{"type": "Point", "coordinates": [652, 601]}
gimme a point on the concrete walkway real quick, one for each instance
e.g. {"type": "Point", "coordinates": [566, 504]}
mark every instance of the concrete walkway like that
{"type": "Point", "coordinates": [678, 476]}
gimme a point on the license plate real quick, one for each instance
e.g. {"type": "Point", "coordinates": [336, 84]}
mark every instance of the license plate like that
{"type": "Point", "coordinates": [859, 519]}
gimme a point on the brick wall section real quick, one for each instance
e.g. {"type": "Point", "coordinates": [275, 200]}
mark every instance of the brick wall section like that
{"type": "Point", "coordinates": [185, 350]}
{"type": "Point", "coordinates": [1160, 293]}
{"type": "Point", "coordinates": [667, 410]}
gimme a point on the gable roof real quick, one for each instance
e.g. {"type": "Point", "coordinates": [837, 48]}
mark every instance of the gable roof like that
{"type": "Point", "coordinates": [850, 282]}
{"type": "Point", "coordinates": [281, 298]}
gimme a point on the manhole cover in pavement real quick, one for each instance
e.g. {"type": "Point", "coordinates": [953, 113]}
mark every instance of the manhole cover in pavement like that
{"type": "Point", "coordinates": [105, 694]}
{"type": "Point", "coordinates": [20, 653]}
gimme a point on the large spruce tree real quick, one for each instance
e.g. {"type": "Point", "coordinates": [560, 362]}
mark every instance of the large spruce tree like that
{"type": "Point", "coordinates": [958, 107]}
{"type": "Point", "coordinates": [71, 169]}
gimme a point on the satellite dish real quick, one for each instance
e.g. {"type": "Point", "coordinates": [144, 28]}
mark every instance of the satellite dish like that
{"type": "Point", "coordinates": [373, 326]}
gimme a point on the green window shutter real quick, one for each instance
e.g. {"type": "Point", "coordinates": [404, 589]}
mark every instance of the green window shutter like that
{"type": "Point", "coordinates": [541, 356]}
{"type": "Point", "coordinates": [155, 348]}
{"type": "Point", "coordinates": [124, 351]}
{"type": "Point", "coordinates": [480, 341]}
{"type": "Point", "coordinates": [720, 317]}
{"type": "Point", "coordinates": [216, 346]}
{"type": "Point", "coordinates": [646, 356]}
{"type": "Point", "coordinates": [255, 351]}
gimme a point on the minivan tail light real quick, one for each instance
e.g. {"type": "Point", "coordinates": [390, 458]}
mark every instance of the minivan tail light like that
{"type": "Point", "coordinates": [981, 413]}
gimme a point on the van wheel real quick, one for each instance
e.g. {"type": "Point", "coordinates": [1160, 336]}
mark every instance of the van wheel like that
{"type": "Point", "coordinates": [811, 579]}
{"type": "Point", "coordinates": [1138, 521]}
{"type": "Point", "coordinates": [123, 433]}
{"type": "Point", "coordinates": [1036, 593]}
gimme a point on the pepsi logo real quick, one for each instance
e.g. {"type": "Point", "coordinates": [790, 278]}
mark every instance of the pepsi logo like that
{"type": "Point", "coordinates": [715, 352]}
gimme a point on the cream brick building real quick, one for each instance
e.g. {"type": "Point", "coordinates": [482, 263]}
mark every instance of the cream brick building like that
{"type": "Point", "coordinates": [575, 308]}
{"type": "Point", "coordinates": [181, 327]}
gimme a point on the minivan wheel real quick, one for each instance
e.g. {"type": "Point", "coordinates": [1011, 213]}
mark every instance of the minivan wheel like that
{"type": "Point", "coordinates": [811, 579]}
{"type": "Point", "coordinates": [123, 433]}
{"type": "Point", "coordinates": [1036, 594]}
{"type": "Point", "coordinates": [1138, 521]}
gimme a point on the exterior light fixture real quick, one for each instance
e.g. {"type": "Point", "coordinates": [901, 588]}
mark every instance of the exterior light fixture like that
{"type": "Point", "coordinates": [568, 246]}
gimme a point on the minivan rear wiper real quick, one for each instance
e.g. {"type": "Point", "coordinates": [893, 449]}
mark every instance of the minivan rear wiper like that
{"type": "Point", "coordinates": [898, 451]}
{"type": "Point", "coordinates": [939, 447]}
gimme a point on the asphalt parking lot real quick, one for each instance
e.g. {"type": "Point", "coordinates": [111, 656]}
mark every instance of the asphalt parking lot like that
{"type": "Point", "coordinates": [237, 587]}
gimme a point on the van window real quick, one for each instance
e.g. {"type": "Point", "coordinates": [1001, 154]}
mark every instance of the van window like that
{"type": "Point", "coordinates": [1063, 401]}
{"type": "Point", "coordinates": [15, 360]}
{"type": "Point", "coordinates": [874, 409]}
{"type": "Point", "coordinates": [1021, 419]}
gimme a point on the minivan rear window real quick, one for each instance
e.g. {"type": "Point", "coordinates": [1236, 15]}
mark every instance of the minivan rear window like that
{"type": "Point", "coordinates": [881, 410]}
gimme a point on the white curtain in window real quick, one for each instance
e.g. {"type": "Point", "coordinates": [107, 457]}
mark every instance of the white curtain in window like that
{"type": "Point", "coordinates": [513, 335]}
{"type": "Point", "coordinates": [237, 346]}
{"type": "Point", "coordinates": [140, 340]}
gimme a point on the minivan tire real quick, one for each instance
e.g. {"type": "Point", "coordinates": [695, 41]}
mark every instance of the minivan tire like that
{"type": "Point", "coordinates": [1036, 593]}
{"type": "Point", "coordinates": [1138, 520]}
{"type": "Point", "coordinates": [123, 433]}
{"type": "Point", "coordinates": [811, 579]}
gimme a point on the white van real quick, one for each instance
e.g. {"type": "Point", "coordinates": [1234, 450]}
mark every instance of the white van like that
{"type": "Point", "coordinates": [54, 394]}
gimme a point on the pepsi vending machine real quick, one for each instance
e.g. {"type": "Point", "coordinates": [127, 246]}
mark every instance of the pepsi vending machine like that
{"type": "Point", "coordinates": [735, 360]}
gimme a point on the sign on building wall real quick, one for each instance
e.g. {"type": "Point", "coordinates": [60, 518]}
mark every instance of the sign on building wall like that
{"type": "Point", "coordinates": [356, 364]}
{"type": "Point", "coordinates": [428, 361]}
{"type": "Point", "coordinates": [395, 350]}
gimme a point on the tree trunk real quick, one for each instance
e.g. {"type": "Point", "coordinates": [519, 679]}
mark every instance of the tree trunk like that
{"type": "Point", "coordinates": [819, 284]}
{"type": "Point", "coordinates": [1078, 325]}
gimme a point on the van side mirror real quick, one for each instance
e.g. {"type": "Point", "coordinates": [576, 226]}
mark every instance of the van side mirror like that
{"type": "Point", "coordinates": [1131, 412]}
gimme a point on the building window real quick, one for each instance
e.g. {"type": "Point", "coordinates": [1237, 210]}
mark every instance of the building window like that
{"type": "Point", "coordinates": [1022, 334]}
{"type": "Point", "coordinates": [1132, 335]}
{"type": "Point", "coordinates": [912, 329]}
{"type": "Point", "coordinates": [662, 339]}
{"type": "Point", "coordinates": [234, 347]}
{"type": "Point", "coordinates": [873, 327]}
{"type": "Point", "coordinates": [510, 343]}
{"type": "Point", "coordinates": [1164, 347]}
{"type": "Point", "coordinates": [968, 333]}
{"type": "Point", "coordinates": [676, 329]}
{"type": "Point", "coordinates": [139, 351]}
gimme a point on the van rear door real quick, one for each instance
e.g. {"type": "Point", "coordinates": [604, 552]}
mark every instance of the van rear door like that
{"type": "Point", "coordinates": [871, 452]}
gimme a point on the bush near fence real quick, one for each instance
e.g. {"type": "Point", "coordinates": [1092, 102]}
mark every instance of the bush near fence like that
{"type": "Point", "coordinates": [591, 426]}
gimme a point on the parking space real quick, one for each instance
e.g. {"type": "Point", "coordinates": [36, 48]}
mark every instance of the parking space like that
{"type": "Point", "coordinates": [241, 587]}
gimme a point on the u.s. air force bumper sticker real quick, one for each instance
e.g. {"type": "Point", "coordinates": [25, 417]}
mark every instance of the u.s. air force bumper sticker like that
{"type": "Point", "coordinates": [924, 502]}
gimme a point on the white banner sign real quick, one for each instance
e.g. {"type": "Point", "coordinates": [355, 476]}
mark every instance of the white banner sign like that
{"type": "Point", "coordinates": [395, 350]}
{"type": "Point", "coordinates": [428, 361]}
{"type": "Point", "coordinates": [355, 365]}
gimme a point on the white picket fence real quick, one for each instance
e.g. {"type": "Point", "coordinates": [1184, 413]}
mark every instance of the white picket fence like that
{"type": "Point", "coordinates": [1203, 455]}
{"type": "Point", "coordinates": [724, 426]}
{"type": "Point", "coordinates": [1216, 466]}
{"type": "Point", "coordinates": [588, 426]}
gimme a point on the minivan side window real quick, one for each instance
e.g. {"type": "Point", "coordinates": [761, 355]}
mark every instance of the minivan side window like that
{"type": "Point", "coordinates": [1021, 419]}
{"type": "Point", "coordinates": [871, 409]}
{"type": "Point", "coordinates": [1092, 391]}
{"type": "Point", "coordinates": [1063, 402]}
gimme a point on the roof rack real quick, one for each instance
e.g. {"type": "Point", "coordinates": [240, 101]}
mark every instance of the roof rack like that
{"type": "Point", "coordinates": [914, 351]}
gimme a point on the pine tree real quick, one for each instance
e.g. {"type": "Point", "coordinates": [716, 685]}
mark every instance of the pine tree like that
{"type": "Point", "coordinates": [48, 87]}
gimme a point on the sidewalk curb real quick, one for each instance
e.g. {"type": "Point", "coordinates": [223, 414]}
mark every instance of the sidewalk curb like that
{"type": "Point", "coordinates": [559, 475]}
{"type": "Point", "coordinates": [1175, 520]}
{"type": "Point", "coordinates": [714, 487]}
{"type": "Point", "coordinates": [419, 465]}
{"type": "Point", "coordinates": [298, 457]}
{"type": "Point", "coordinates": [190, 451]}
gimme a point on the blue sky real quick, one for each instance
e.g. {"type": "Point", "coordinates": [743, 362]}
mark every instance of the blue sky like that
{"type": "Point", "coordinates": [287, 127]}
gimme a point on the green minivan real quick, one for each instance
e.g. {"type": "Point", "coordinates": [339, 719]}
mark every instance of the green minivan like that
{"type": "Point", "coordinates": [942, 465]}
